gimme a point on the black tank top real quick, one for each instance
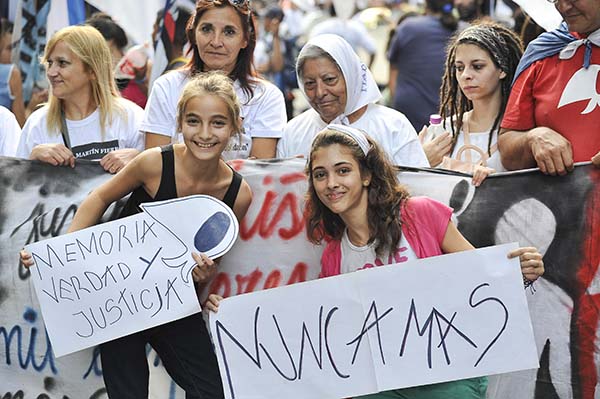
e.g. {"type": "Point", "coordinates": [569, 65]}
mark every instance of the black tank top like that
{"type": "Point", "coordinates": [167, 188]}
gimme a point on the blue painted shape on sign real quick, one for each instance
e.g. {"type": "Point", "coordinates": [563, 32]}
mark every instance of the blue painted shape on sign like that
{"type": "Point", "coordinates": [212, 232]}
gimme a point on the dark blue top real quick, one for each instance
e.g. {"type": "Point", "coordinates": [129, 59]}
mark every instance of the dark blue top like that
{"type": "Point", "coordinates": [418, 50]}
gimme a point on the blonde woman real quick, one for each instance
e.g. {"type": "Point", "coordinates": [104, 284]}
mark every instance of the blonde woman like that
{"type": "Point", "coordinates": [85, 118]}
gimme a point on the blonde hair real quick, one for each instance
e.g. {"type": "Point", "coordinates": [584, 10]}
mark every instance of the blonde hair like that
{"type": "Point", "coordinates": [90, 47]}
{"type": "Point", "coordinates": [214, 83]}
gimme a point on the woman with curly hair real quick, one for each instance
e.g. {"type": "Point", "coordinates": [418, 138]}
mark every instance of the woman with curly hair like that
{"type": "Point", "coordinates": [354, 200]}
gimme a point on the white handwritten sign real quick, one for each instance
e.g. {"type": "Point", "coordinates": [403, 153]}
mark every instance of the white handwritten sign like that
{"type": "Point", "coordinates": [432, 320]}
{"type": "Point", "coordinates": [128, 275]}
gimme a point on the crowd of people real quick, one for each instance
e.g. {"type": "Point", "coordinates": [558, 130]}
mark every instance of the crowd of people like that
{"type": "Point", "coordinates": [502, 109]}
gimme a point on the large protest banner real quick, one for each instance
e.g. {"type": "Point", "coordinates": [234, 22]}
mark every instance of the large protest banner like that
{"type": "Point", "coordinates": [432, 320]}
{"type": "Point", "coordinates": [560, 215]}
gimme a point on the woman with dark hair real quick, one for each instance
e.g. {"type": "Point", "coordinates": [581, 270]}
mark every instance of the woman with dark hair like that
{"type": "Point", "coordinates": [356, 203]}
{"type": "Point", "coordinates": [480, 68]}
{"type": "Point", "coordinates": [222, 35]}
{"type": "Point", "coordinates": [416, 56]}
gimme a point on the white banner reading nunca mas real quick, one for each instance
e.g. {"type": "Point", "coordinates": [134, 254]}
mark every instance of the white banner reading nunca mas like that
{"type": "Point", "coordinates": [432, 320]}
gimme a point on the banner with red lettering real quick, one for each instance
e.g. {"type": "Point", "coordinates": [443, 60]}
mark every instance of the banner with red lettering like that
{"type": "Point", "coordinates": [559, 215]}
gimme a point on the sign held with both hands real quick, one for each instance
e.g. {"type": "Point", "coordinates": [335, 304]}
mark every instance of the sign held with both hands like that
{"type": "Point", "coordinates": [127, 275]}
{"type": "Point", "coordinates": [432, 320]}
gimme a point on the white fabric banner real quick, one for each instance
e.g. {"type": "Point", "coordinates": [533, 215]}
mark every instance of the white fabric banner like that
{"type": "Point", "coordinates": [558, 216]}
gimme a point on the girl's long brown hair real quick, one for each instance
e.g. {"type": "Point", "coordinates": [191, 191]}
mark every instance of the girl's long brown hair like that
{"type": "Point", "coordinates": [385, 198]}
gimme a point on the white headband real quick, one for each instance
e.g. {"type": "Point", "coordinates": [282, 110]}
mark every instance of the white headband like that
{"type": "Point", "coordinates": [356, 134]}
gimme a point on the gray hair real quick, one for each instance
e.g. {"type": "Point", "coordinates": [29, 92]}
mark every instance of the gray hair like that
{"type": "Point", "coordinates": [311, 52]}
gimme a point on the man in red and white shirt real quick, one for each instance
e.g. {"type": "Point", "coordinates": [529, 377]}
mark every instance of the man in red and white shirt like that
{"type": "Point", "coordinates": [553, 113]}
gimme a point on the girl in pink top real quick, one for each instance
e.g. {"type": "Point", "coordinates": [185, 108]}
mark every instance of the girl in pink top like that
{"type": "Point", "coordinates": [354, 200]}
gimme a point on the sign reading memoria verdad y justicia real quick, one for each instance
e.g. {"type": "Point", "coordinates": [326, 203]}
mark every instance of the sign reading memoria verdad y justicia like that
{"type": "Point", "coordinates": [124, 276]}
{"type": "Point", "coordinates": [432, 320]}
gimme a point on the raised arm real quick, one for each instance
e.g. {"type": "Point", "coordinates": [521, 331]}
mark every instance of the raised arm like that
{"type": "Point", "coordinates": [135, 174]}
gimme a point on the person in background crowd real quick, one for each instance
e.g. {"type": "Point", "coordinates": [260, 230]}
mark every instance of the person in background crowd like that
{"type": "Point", "coordinates": [552, 116]}
{"type": "Point", "coordinates": [115, 36]}
{"type": "Point", "coordinates": [469, 10]}
{"type": "Point", "coordinates": [208, 114]}
{"type": "Point", "coordinates": [294, 23]}
{"type": "Point", "coordinates": [526, 27]}
{"type": "Point", "coordinates": [355, 203]}
{"type": "Point", "coordinates": [175, 49]}
{"type": "Point", "coordinates": [353, 31]}
{"type": "Point", "coordinates": [480, 67]}
{"type": "Point", "coordinates": [270, 51]}
{"type": "Point", "coordinates": [85, 117]}
{"type": "Point", "coordinates": [11, 86]}
{"type": "Point", "coordinates": [340, 88]}
{"type": "Point", "coordinates": [275, 57]}
{"type": "Point", "coordinates": [10, 132]}
{"type": "Point", "coordinates": [416, 56]}
{"type": "Point", "coordinates": [131, 74]}
{"type": "Point", "coordinates": [222, 34]}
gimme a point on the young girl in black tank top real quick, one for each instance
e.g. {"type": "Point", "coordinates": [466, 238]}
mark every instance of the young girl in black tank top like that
{"type": "Point", "coordinates": [208, 116]}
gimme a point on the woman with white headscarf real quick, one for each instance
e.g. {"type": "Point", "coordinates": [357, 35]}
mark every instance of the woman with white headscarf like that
{"type": "Point", "coordinates": [341, 89]}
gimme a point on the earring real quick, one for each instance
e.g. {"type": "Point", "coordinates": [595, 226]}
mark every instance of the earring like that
{"type": "Point", "coordinates": [366, 183]}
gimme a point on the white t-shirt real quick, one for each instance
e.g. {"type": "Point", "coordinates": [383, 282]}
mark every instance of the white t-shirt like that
{"type": "Point", "coordinates": [358, 258]}
{"type": "Point", "coordinates": [263, 115]}
{"type": "Point", "coordinates": [390, 128]}
{"type": "Point", "coordinates": [479, 139]}
{"type": "Point", "coordinates": [87, 141]}
{"type": "Point", "coordinates": [10, 133]}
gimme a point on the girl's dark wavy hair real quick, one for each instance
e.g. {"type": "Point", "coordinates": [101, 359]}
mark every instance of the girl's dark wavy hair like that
{"type": "Point", "coordinates": [504, 48]}
{"type": "Point", "coordinates": [244, 70]}
{"type": "Point", "coordinates": [385, 198]}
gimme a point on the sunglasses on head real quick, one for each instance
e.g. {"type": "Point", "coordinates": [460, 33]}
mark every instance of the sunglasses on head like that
{"type": "Point", "coordinates": [235, 3]}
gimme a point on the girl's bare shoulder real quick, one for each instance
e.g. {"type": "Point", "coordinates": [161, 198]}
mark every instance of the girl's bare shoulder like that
{"type": "Point", "coordinates": [148, 163]}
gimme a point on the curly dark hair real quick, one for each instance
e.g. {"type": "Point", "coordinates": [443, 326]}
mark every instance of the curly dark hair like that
{"type": "Point", "coordinates": [244, 68]}
{"type": "Point", "coordinates": [504, 48]}
{"type": "Point", "coordinates": [385, 198]}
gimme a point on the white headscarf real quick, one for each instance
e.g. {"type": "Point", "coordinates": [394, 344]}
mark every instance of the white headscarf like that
{"type": "Point", "coordinates": [361, 88]}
